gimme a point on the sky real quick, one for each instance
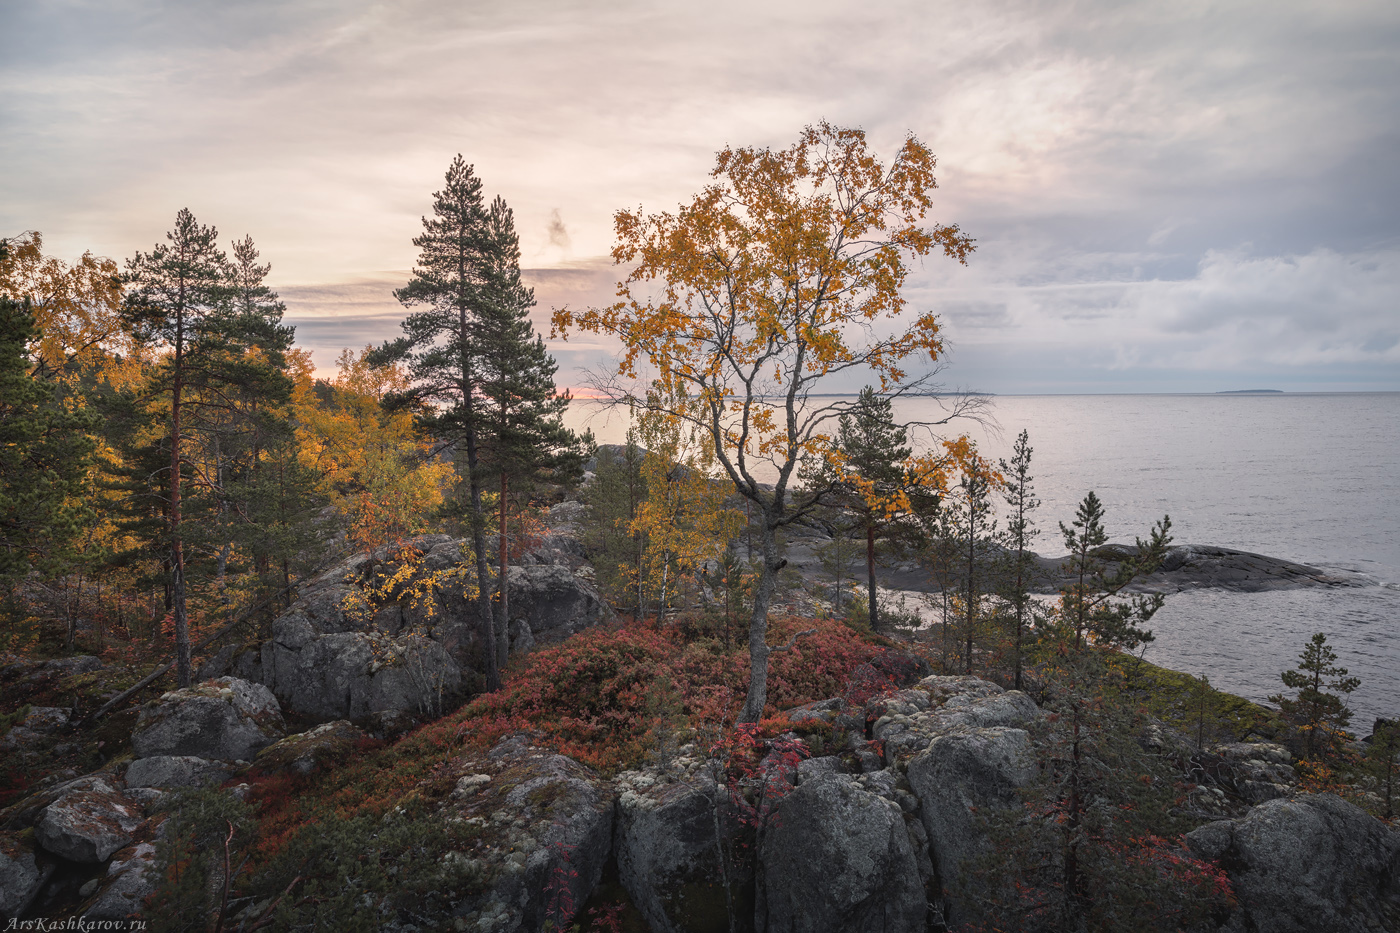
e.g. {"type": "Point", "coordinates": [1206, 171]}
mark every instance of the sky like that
{"type": "Point", "coordinates": [1167, 195]}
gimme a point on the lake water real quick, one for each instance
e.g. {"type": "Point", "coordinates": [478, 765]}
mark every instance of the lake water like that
{"type": "Point", "coordinates": [1308, 478]}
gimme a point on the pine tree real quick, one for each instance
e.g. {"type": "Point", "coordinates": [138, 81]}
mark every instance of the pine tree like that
{"type": "Point", "coordinates": [874, 448]}
{"type": "Point", "coordinates": [1317, 711]}
{"type": "Point", "coordinates": [483, 383]}
{"type": "Point", "coordinates": [524, 441]}
{"type": "Point", "coordinates": [445, 356]}
{"type": "Point", "coordinates": [1088, 607]}
{"type": "Point", "coordinates": [240, 408]}
{"type": "Point", "coordinates": [175, 294]}
{"type": "Point", "coordinates": [45, 453]}
{"type": "Point", "coordinates": [971, 522]}
{"type": "Point", "coordinates": [1018, 566]}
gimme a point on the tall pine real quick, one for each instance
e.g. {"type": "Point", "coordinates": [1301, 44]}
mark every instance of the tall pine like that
{"type": "Point", "coordinates": [441, 345]}
{"type": "Point", "coordinates": [482, 381]}
{"type": "Point", "coordinates": [174, 297]}
{"type": "Point", "coordinates": [525, 441]}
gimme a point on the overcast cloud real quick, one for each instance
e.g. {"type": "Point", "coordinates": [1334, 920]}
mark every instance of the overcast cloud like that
{"type": "Point", "coordinates": [1168, 196]}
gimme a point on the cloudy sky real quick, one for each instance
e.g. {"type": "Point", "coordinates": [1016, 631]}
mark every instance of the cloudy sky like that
{"type": "Point", "coordinates": [1167, 196]}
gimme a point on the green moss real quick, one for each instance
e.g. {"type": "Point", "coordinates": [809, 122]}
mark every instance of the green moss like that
{"type": "Point", "coordinates": [1189, 704]}
{"type": "Point", "coordinates": [546, 795]}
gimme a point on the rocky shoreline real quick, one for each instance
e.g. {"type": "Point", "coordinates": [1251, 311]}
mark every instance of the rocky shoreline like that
{"type": "Point", "coordinates": [876, 809]}
{"type": "Point", "coordinates": [876, 829]}
{"type": "Point", "coordinates": [1187, 567]}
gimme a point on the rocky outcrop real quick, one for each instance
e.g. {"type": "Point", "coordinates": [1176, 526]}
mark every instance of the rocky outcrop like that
{"type": "Point", "coordinates": [553, 602]}
{"type": "Point", "coordinates": [356, 645]}
{"type": "Point", "coordinates": [838, 858]}
{"type": "Point", "coordinates": [544, 835]}
{"type": "Point", "coordinates": [20, 876]}
{"type": "Point", "coordinates": [351, 675]}
{"type": "Point", "coordinates": [39, 722]}
{"type": "Point", "coordinates": [914, 717]}
{"type": "Point", "coordinates": [89, 821]}
{"type": "Point", "coordinates": [175, 771]}
{"type": "Point", "coordinates": [1306, 864]}
{"type": "Point", "coordinates": [960, 779]}
{"type": "Point", "coordinates": [669, 840]}
{"type": "Point", "coordinates": [130, 879]}
{"type": "Point", "coordinates": [1253, 771]}
{"type": "Point", "coordinates": [1203, 566]}
{"type": "Point", "coordinates": [312, 750]}
{"type": "Point", "coordinates": [226, 719]}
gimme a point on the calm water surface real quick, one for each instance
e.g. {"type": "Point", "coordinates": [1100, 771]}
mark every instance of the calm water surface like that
{"type": "Point", "coordinates": [1310, 478]}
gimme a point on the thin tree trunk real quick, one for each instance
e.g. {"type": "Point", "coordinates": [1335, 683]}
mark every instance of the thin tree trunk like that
{"type": "Point", "coordinates": [1074, 882]}
{"type": "Point", "coordinates": [177, 554]}
{"type": "Point", "coordinates": [483, 569]}
{"type": "Point", "coordinates": [504, 557]}
{"type": "Point", "coordinates": [1020, 595]}
{"type": "Point", "coordinates": [870, 571]}
{"type": "Point", "coordinates": [759, 651]}
{"type": "Point", "coordinates": [971, 583]}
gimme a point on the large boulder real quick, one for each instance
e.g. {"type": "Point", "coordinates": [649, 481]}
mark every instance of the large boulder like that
{"type": "Point", "coordinates": [175, 771]}
{"type": "Point", "coordinates": [912, 718]}
{"type": "Point", "coordinates": [226, 719]}
{"type": "Point", "coordinates": [838, 858]}
{"type": "Point", "coordinates": [669, 837]}
{"type": "Point", "coordinates": [89, 821]}
{"type": "Point", "coordinates": [416, 645]}
{"type": "Point", "coordinates": [21, 877]}
{"type": "Point", "coordinates": [305, 752]}
{"type": "Point", "coordinates": [554, 602]}
{"type": "Point", "coordinates": [1306, 864]}
{"type": "Point", "coordinates": [131, 878]}
{"type": "Point", "coordinates": [350, 675]}
{"type": "Point", "coordinates": [959, 779]}
{"type": "Point", "coordinates": [544, 833]}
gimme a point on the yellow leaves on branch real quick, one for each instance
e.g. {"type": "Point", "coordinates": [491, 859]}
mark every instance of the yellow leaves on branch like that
{"type": "Point", "coordinates": [683, 520]}
{"type": "Point", "coordinates": [774, 276]}
{"type": "Point", "coordinates": [76, 307]}
{"type": "Point", "coordinates": [373, 463]}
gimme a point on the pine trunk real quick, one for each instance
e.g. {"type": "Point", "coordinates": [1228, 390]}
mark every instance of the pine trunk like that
{"type": "Point", "coordinates": [177, 555]}
{"type": "Point", "coordinates": [870, 571]}
{"type": "Point", "coordinates": [504, 557]}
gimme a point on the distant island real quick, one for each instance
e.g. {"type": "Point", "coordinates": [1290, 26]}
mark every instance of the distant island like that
{"type": "Point", "coordinates": [1251, 392]}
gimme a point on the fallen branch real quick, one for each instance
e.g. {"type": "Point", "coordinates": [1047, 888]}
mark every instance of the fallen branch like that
{"type": "Point", "coordinates": [792, 642]}
{"type": "Point", "coordinates": [165, 668]}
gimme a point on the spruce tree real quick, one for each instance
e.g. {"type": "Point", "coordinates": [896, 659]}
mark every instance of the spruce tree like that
{"type": "Point", "coordinates": [874, 448]}
{"type": "Point", "coordinates": [175, 294]}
